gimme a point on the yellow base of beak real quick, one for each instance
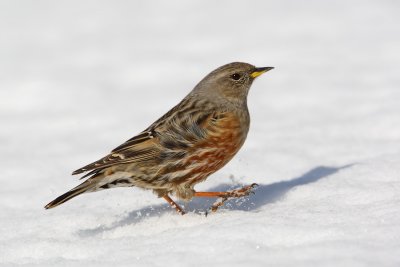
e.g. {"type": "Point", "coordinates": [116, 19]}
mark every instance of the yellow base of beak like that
{"type": "Point", "coordinates": [258, 71]}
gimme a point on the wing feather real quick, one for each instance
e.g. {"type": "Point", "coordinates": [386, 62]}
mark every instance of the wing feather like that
{"type": "Point", "coordinates": [134, 152]}
{"type": "Point", "coordinates": [178, 129]}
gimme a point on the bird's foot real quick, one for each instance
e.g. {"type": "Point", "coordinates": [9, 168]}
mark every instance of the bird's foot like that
{"type": "Point", "coordinates": [241, 192]}
{"type": "Point", "coordinates": [174, 205]}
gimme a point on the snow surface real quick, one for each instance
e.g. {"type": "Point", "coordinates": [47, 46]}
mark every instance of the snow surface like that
{"type": "Point", "coordinates": [80, 77]}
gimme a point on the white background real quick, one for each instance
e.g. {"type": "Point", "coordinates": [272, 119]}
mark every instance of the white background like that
{"type": "Point", "coordinates": [77, 78]}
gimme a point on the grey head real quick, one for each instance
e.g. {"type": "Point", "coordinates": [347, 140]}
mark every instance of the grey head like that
{"type": "Point", "coordinates": [229, 84]}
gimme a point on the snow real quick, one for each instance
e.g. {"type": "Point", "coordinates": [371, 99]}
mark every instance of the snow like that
{"type": "Point", "coordinates": [79, 78]}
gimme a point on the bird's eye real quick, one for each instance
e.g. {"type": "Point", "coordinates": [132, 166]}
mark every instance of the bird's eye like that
{"type": "Point", "coordinates": [236, 76]}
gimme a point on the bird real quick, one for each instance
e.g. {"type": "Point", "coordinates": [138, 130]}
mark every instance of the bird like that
{"type": "Point", "coordinates": [185, 146]}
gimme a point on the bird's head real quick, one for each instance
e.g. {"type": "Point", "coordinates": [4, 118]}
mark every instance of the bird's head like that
{"type": "Point", "coordinates": [230, 82]}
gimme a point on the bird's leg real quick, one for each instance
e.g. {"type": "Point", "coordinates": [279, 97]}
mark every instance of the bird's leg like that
{"type": "Point", "coordinates": [224, 196]}
{"type": "Point", "coordinates": [244, 191]}
{"type": "Point", "coordinates": [174, 205]}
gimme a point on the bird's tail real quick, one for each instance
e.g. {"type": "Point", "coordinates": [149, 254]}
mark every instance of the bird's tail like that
{"type": "Point", "coordinates": [86, 186]}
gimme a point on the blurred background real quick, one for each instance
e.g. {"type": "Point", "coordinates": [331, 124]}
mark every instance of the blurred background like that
{"type": "Point", "coordinates": [80, 77]}
{"type": "Point", "coordinates": [77, 78]}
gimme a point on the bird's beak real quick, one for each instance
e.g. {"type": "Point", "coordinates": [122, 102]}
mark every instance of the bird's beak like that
{"type": "Point", "coordinates": [258, 71]}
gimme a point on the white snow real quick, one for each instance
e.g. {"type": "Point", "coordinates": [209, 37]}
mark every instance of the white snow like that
{"type": "Point", "coordinates": [80, 77]}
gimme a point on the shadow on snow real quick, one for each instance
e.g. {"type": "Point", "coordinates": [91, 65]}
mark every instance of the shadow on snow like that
{"type": "Point", "coordinates": [264, 195]}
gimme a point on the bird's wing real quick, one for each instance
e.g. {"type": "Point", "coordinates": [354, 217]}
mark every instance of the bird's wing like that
{"type": "Point", "coordinates": [141, 147]}
{"type": "Point", "coordinates": [177, 129]}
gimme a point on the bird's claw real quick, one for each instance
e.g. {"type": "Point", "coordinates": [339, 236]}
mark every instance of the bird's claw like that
{"type": "Point", "coordinates": [244, 191]}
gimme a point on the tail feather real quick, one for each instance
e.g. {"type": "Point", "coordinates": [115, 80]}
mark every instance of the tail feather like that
{"type": "Point", "coordinates": [82, 188]}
